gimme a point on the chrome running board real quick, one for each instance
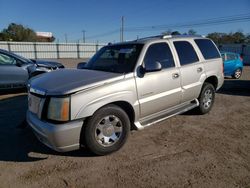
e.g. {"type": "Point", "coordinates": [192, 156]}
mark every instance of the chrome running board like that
{"type": "Point", "coordinates": [163, 115]}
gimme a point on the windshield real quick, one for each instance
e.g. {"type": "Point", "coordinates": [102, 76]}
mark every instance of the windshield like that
{"type": "Point", "coordinates": [115, 58]}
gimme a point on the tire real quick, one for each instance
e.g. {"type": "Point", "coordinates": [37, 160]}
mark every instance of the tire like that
{"type": "Point", "coordinates": [107, 130]}
{"type": "Point", "coordinates": [237, 73]}
{"type": "Point", "coordinates": [206, 98]}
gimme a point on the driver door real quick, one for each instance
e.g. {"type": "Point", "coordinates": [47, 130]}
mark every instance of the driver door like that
{"type": "Point", "coordinates": [161, 89]}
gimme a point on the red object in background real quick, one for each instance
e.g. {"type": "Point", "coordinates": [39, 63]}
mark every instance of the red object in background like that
{"type": "Point", "coordinates": [241, 58]}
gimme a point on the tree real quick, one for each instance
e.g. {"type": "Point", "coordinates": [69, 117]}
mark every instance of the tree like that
{"type": "Point", "coordinates": [229, 38]}
{"type": "Point", "coordinates": [168, 32]}
{"type": "Point", "coordinates": [238, 37]}
{"type": "Point", "coordinates": [17, 32]}
{"type": "Point", "coordinates": [247, 39]}
{"type": "Point", "coordinates": [175, 33]}
{"type": "Point", "coordinates": [216, 37]}
{"type": "Point", "coordinates": [192, 32]}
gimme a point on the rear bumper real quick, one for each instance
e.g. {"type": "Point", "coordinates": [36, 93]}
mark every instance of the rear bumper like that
{"type": "Point", "coordinates": [220, 81]}
{"type": "Point", "coordinates": [61, 137]}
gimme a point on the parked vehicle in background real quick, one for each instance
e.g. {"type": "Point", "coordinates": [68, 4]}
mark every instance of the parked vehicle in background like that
{"type": "Point", "coordinates": [233, 64]}
{"type": "Point", "coordinates": [124, 85]}
{"type": "Point", "coordinates": [16, 70]}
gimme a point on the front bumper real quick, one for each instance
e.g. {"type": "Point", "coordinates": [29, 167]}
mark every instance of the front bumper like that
{"type": "Point", "coordinates": [61, 137]}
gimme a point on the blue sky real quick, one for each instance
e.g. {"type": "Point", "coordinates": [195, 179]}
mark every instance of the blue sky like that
{"type": "Point", "coordinates": [97, 17]}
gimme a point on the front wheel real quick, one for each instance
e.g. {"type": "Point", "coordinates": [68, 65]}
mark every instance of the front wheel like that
{"type": "Point", "coordinates": [237, 74]}
{"type": "Point", "coordinates": [206, 98]}
{"type": "Point", "coordinates": [107, 130]}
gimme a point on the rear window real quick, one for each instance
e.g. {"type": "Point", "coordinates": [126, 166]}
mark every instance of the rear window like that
{"type": "Point", "coordinates": [185, 52]}
{"type": "Point", "coordinates": [207, 48]}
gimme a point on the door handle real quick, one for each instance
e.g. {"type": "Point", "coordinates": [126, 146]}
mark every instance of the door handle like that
{"type": "Point", "coordinates": [175, 75]}
{"type": "Point", "coordinates": [199, 69]}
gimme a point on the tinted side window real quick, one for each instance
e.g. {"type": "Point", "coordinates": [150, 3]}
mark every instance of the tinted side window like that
{"type": "Point", "coordinates": [231, 57]}
{"type": "Point", "coordinates": [207, 48]}
{"type": "Point", "coordinates": [159, 52]}
{"type": "Point", "coordinates": [6, 60]}
{"type": "Point", "coordinates": [185, 52]}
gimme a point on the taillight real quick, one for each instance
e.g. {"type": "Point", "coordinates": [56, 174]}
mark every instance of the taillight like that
{"type": "Point", "coordinates": [241, 58]}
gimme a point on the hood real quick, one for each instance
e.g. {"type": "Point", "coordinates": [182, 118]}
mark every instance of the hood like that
{"type": "Point", "coordinates": [48, 64]}
{"type": "Point", "coordinates": [67, 81]}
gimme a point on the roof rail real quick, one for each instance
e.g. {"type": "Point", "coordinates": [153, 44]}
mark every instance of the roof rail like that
{"type": "Point", "coordinates": [169, 36]}
{"type": "Point", "coordinates": [166, 36]}
{"type": "Point", "coordinates": [150, 37]}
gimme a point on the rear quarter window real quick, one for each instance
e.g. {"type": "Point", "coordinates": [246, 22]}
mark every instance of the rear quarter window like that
{"type": "Point", "coordinates": [185, 52]}
{"type": "Point", "coordinates": [207, 48]}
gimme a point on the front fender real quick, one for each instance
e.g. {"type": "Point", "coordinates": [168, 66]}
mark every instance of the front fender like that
{"type": "Point", "coordinates": [92, 106]}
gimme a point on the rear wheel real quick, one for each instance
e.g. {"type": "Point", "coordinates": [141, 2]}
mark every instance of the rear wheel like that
{"type": "Point", "coordinates": [206, 98]}
{"type": "Point", "coordinates": [237, 74]}
{"type": "Point", "coordinates": [107, 130]}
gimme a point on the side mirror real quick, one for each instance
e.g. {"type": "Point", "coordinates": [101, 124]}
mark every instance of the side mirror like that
{"type": "Point", "coordinates": [18, 63]}
{"type": "Point", "coordinates": [81, 65]}
{"type": "Point", "coordinates": [153, 67]}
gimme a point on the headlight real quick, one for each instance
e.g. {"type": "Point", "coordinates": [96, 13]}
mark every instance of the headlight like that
{"type": "Point", "coordinates": [58, 109]}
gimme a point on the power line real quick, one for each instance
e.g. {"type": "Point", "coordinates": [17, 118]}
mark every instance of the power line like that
{"type": "Point", "coordinates": [212, 21]}
{"type": "Point", "coordinates": [104, 34]}
{"type": "Point", "coordinates": [241, 16]}
{"type": "Point", "coordinates": [198, 23]}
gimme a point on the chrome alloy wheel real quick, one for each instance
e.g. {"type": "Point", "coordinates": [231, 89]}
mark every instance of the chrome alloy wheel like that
{"type": "Point", "coordinates": [208, 98]}
{"type": "Point", "coordinates": [108, 131]}
{"type": "Point", "coordinates": [237, 74]}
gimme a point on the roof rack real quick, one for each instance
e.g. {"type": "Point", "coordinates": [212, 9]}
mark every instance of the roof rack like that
{"type": "Point", "coordinates": [150, 37]}
{"type": "Point", "coordinates": [169, 36]}
{"type": "Point", "coordinates": [166, 36]}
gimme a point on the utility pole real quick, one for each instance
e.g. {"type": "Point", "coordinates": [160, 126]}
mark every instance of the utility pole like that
{"type": "Point", "coordinates": [66, 37]}
{"type": "Point", "coordinates": [122, 30]}
{"type": "Point", "coordinates": [83, 36]}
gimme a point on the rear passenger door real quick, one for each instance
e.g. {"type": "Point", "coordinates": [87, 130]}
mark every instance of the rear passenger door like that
{"type": "Point", "coordinates": [191, 70]}
{"type": "Point", "coordinates": [157, 91]}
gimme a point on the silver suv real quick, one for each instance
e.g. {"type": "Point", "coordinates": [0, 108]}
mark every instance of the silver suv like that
{"type": "Point", "coordinates": [127, 85]}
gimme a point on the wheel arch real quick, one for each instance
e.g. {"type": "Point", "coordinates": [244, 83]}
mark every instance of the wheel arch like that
{"type": "Point", "coordinates": [212, 80]}
{"type": "Point", "coordinates": [124, 105]}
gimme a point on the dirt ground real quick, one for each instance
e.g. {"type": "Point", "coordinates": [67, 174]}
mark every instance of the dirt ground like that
{"type": "Point", "coordinates": [187, 150]}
